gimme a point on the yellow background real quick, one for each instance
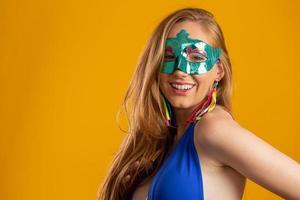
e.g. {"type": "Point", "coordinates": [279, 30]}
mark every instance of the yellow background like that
{"type": "Point", "coordinates": [65, 66]}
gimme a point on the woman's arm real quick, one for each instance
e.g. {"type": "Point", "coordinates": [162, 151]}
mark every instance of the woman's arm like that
{"type": "Point", "coordinates": [257, 160]}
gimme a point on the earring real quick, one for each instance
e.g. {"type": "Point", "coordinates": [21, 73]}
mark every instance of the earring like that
{"type": "Point", "coordinates": [208, 105]}
{"type": "Point", "coordinates": [214, 95]}
{"type": "Point", "coordinates": [216, 82]}
{"type": "Point", "coordinates": [168, 110]}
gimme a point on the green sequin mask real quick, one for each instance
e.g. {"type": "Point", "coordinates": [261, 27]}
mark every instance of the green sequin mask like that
{"type": "Point", "coordinates": [189, 55]}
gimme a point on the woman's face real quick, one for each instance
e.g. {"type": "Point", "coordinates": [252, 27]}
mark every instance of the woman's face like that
{"type": "Point", "coordinates": [199, 85]}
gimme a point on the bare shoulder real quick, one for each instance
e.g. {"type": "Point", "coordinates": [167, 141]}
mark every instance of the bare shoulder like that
{"type": "Point", "coordinates": [212, 129]}
{"type": "Point", "coordinates": [219, 116]}
{"type": "Point", "coordinates": [215, 122]}
{"type": "Point", "coordinates": [224, 139]}
{"type": "Point", "coordinates": [232, 145]}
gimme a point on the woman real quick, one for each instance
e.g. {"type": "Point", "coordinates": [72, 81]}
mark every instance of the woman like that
{"type": "Point", "coordinates": [183, 141]}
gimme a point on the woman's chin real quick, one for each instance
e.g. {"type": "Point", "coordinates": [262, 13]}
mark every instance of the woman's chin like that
{"type": "Point", "coordinates": [181, 105]}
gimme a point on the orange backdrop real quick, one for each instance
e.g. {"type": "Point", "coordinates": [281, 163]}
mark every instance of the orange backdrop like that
{"type": "Point", "coordinates": [65, 66]}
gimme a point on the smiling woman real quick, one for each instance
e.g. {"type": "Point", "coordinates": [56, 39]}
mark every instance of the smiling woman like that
{"type": "Point", "coordinates": [183, 140]}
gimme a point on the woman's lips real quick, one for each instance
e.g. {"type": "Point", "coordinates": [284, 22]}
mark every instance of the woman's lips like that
{"type": "Point", "coordinates": [181, 92]}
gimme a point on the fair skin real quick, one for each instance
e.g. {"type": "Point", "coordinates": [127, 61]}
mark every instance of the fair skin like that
{"type": "Point", "coordinates": [228, 152]}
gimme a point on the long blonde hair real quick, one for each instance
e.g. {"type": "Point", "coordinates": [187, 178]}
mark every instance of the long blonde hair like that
{"type": "Point", "coordinates": [148, 135]}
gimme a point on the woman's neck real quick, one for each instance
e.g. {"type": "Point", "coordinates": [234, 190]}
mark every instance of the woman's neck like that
{"type": "Point", "coordinates": [181, 116]}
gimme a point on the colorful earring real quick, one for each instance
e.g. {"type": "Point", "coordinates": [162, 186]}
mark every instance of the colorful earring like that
{"type": "Point", "coordinates": [207, 106]}
{"type": "Point", "coordinates": [168, 110]}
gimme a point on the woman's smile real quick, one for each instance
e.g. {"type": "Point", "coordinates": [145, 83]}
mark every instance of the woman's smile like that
{"type": "Point", "coordinates": [181, 88]}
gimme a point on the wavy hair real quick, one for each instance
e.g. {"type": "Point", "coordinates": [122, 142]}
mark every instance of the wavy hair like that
{"type": "Point", "coordinates": [148, 138]}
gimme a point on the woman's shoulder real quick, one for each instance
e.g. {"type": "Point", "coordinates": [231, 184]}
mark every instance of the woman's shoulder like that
{"type": "Point", "coordinates": [214, 129]}
{"type": "Point", "coordinates": [218, 118]}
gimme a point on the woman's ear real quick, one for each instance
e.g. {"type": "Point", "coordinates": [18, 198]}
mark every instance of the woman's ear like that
{"type": "Point", "coordinates": [220, 71]}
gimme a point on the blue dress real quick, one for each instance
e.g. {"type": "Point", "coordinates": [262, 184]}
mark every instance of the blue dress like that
{"type": "Point", "coordinates": [180, 175]}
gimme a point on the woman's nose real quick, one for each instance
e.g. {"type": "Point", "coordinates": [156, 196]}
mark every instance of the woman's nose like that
{"type": "Point", "coordinates": [180, 74]}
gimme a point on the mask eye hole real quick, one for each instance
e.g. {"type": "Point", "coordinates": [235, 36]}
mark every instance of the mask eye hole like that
{"type": "Point", "coordinates": [195, 55]}
{"type": "Point", "coordinates": [169, 54]}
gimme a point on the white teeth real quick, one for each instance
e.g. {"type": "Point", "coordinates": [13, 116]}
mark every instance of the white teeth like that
{"type": "Point", "coordinates": [181, 87]}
